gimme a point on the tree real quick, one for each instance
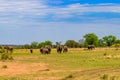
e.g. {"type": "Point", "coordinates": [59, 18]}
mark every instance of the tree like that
{"type": "Point", "coordinates": [2, 50]}
{"type": "Point", "coordinates": [72, 44]}
{"type": "Point", "coordinates": [91, 39]}
{"type": "Point", "coordinates": [117, 46]}
{"type": "Point", "coordinates": [34, 44]}
{"type": "Point", "coordinates": [26, 46]}
{"type": "Point", "coordinates": [43, 44]}
{"type": "Point", "coordinates": [117, 41]}
{"type": "Point", "coordinates": [58, 43]}
{"type": "Point", "coordinates": [48, 43]}
{"type": "Point", "coordinates": [81, 43]}
{"type": "Point", "coordinates": [109, 40]}
{"type": "Point", "coordinates": [101, 43]}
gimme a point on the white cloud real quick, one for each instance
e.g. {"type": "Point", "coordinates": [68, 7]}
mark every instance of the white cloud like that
{"type": "Point", "coordinates": [37, 7]}
{"type": "Point", "coordinates": [31, 8]}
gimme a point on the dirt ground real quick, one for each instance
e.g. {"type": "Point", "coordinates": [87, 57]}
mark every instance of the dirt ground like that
{"type": "Point", "coordinates": [18, 68]}
{"type": "Point", "coordinates": [14, 68]}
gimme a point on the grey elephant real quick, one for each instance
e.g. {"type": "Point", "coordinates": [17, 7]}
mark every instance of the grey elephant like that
{"type": "Point", "coordinates": [8, 48]}
{"type": "Point", "coordinates": [65, 49]}
{"type": "Point", "coordinates": [44, 50]}
{"type": "Point", "coordinates": [59, 48]}
{"type": "Point", "coordinates": [91, 47]}
{"type": "Point", "coordinates": [49, 48]}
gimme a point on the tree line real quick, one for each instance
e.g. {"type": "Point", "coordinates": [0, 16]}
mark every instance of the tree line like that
{"type": "Point", "coordinates": [88, 39]}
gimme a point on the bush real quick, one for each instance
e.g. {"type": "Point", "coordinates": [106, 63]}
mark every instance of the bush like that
{"type": "Point", "coordinates": [2, 50]}
{"type": "Point", "coordinates": [105, 54]}
{"type": "Point", "coordinates": [104, 77]}
{"type": "Point", "coordinates": [4, 66]}
{"type": "Point", "coordinates": [6, 56]}
{"type": "Point", "coordinates": [69, 77]}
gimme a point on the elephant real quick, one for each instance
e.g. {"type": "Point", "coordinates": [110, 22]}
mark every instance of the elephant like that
{"type": "Point", "coordinates": [8, 48]}
{"type": "Point", "coordinates": [31, 50]}
{"type": "Point", "coordinates": [65, 49]}
{"type": "Point", "coordinates": [91, 47]}
{"type": "Point", "coordinates": [45, 50]}
{"type": "Point", "coordinates": [59, 48]}
{"type": "Point", "coordinates": [49, 48]}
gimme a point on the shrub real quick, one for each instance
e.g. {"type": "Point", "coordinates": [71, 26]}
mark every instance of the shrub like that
{"type": "Point", "coordinates": [105, 54]}
{"type": "Point", "coordinates": [68, 77]}
{"type": "Point", "coordinates": [104, 77]}
{"type": "Point", "coordinates": [2, 50]}
{"type": "Point", "coordinates": [4, 66]}
{"type": "Point", "coordinates": [6, 56]}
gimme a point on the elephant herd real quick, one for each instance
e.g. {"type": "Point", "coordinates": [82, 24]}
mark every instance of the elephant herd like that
{"type": "Point", "coordinates": [61, 48]}
{"type": "Point", "coordinates": [47, 49]}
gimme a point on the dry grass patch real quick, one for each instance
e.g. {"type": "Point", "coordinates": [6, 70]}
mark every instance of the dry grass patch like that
{"type": "Point", "coordinates": [14, 68]}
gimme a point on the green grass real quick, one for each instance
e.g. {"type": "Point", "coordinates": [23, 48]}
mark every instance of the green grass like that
{"type": "Point", "coordinates": [69, 65]}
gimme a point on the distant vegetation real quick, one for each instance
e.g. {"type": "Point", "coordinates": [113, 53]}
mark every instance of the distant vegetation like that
{"type": "Point", "coordinates": [77, 64]}
{"type": "Point", "coordinates": [88, 39]}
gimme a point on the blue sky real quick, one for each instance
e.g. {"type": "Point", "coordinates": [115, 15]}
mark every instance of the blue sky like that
{"type": "Point", "coordinates": [25, 21]}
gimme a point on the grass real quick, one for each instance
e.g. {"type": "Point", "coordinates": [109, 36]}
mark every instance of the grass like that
{"type": "Point", "coordinates": [77, 64]}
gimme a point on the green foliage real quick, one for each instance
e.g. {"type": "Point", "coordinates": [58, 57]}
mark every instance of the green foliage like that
{"type": "Point", "coordinates": [6, 56]}
{"type": "Point", "coordinates": [43, 44]}
{"type": "Point", "coordinates": [91, 39]}
{"type": "Point", "coordinates": [116, 45]}
{"type": "Point", "coordinates": [26, 46]}
{"type": "Point", "coordinates": [34, 44]}
{"type": "Point", "coordinates": [104, 77]}
{"type": "Point", "coordinates": [109, 40]}
{"type": "Point", "coordinates": [101, 43]}
{"type": "Point", "coordinates": [2, 50]}
{"type": "Point", "coordinates": [117, 42]}
{"type": "Point", "coordinates": [72, 44]}
{"type": "Point", "coordinates": [48, 43]}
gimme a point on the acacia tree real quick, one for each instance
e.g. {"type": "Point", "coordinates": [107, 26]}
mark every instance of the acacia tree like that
{"type": "Point", "coordinates": [43, 44]}
{"type": "Point", "coordinates": [91, 39]}
{"type": "Point", "coordinates": [34, 44]}
{"type": "Point", "coordinates": [109, 40]}
{"type": "Point", "coordinates": [58, 43]}
{"type": "Point", "coordinates": [26, 46]}
{"type": "Point", "coordinates": [72, 44]}
{"type": "Point", "coordinates": [48, 43]}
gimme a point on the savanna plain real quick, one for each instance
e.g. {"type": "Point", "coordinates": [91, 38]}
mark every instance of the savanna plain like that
{"type": "Point", "coordinates": [76, 64]}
